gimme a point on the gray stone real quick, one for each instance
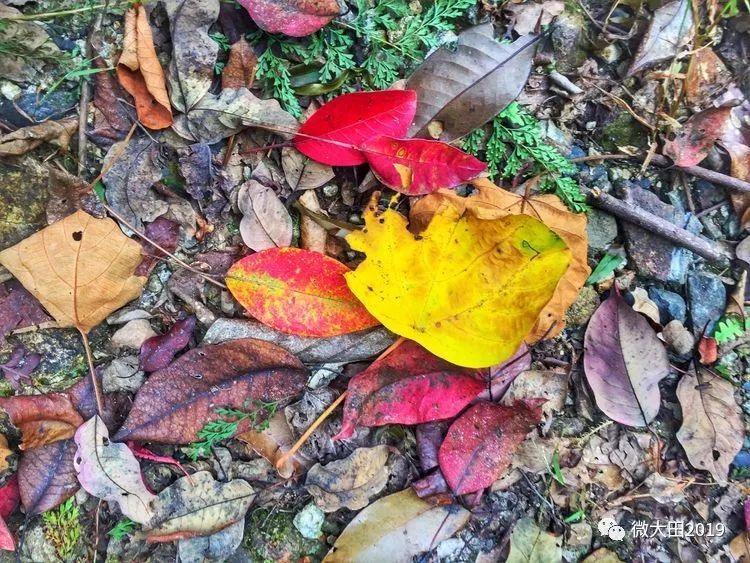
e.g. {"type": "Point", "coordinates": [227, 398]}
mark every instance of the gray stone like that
{"type": "Point", "coordinates": [671, 305]}
{"type": "Point", "coordinates": [132, 335]}
{"type": "Point", "coordinates": [568, 41]}
{"type": "Point", "coordinates": [602, 230]}
{"type": "Point", "coordinates": [708, 298]}
{"type": "Point", "coordinates": [122, 375]}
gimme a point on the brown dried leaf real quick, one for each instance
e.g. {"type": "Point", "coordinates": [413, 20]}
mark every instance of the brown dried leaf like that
{"type": "Point", "coordinates": [736, 140]}
{"type": "Point", "coordinates": [240, 69]}
{"type": "Point", "coordinates": [265, 223]}
{"type": "Point", "coordinates": [303, 173]}
{"type": "Point", "coordinates": [80, 269]}
{"type": "Point", "coordinates": [706, 76]}
{"type": "Point", "coordinates": [670, 29]}
{"type": "Point", "coordinates": [28, 138]}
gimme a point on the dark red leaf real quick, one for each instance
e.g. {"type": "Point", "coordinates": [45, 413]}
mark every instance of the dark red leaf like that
{"type": "Point", "coordinates": [158, 351]}
{"type": "Point", "coordinates": [46, 476]}
{"type": "Point", "coordinates": [334, 134]}
{"type": "Point", "coordinates": [164, 233]}
{"type": "Point", "coordinates": [409, 386]}
{"type": "Point", "coordinates": [419, 167]}
{"type": "Point", "coordinates": [708, 350]}
{"type": "Point", "coordinates": [10, 496]}
{"type": "Point", "coordinates": [7, 542]}
{"type": "Point", "coordinates": [480, 444]}
{"type": "Point", "coordinates": [296, 18]}
{"type": "Point", "coordinates": [18, 309]}
{"type": "Point", "coordinates": [698, 134]}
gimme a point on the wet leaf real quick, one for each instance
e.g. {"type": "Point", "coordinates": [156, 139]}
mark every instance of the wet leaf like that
{"type": "Point", "coordinates": [46, 477]}
{"type": "Point", "coordinates": [488, 280]}
{"type": "Point", "coordinates": [712, 430]}
{"type": "Point", "coordinates": [335, 133]}
{"type": "Point", "coordinates": [697, 136]}
{"type": "Point", "coordinates": [408, 386]}
{"type": "Point", "coordinates": [296, 18]}
{"type": "Point", "coordinates": [158, 351]}
{"type": "Point", "coordinates": [42, 419]}
{"type": "Point", "coordinates": [463, 86]}
{"type": "Point", "coordinates": [474, 454]}
{"type": "Point", "coordinates": [395, 529]}
{"type": "Point", "coordinates": [239, 71]}
{"type": "Point", "coordinates": [198, 505]}
{"type": "Point", "coordinates": [669, 30]}
{"type": "Point", "coordinates": [28, 138]}
{"type": "Point", "coordinates": [141, 74]}
{"type": "Point", "coordinates": [265, 221]}
{"type": "Point", "coordinates": [176, 402]}
{"type": "Point", "coordinates": [624, 361]}
{"type": "Point", "coordinates": [303, 173]}
{"type": "Point", "coordinates": [492, 202]}
{"type": "Point", "coordinates": [82, 269]}
{"type": "Point", "coordinates": [530, 544]}
{"type": "Point", "coordinates": [349, 482]}
{"type": "Point", "coordinates": [112, 121]}
{"type": "Point", "coordinates": [298, 291]}
{"type": "Point", "coordinates": [418, 167]}
{"type": "Point", "coordinates": [109, 471]}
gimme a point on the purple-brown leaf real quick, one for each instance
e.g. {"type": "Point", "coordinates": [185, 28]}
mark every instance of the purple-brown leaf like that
{"type": "Point", "coordinates": [158, 351]}
{"type": "Point", "coordinates": [46, 476]}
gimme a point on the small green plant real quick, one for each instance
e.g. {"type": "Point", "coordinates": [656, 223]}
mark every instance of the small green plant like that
{"type": "Point", "coordinates": [555, 468]}
{"type": "Point", "coordinates": [606, 266]}
{"type": "Point", "coordinates": [62, 526]}
{"type": "Point", "coordinates": [514, 144]}
{"type": "Point", "coordinates": [216, 431]}
{"type": "Point", "coordinates": [123, 528]}
{"type": "Point", "coordinates": [730, 328]}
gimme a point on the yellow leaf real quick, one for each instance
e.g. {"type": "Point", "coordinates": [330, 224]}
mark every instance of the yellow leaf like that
{"type": "Point", "coordinates": [467, 289]}
{"type": "Point", "coordinates": [80, 269]}
{"type": "Point", "coordinates": [492, 202]}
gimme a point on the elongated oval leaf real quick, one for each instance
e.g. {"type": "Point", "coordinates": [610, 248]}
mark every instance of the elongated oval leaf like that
{"type": "Point", "coordinates": [265, 223]}
{"type": "Point", "coordinates": [299, 292]}
{"type": "Point", "coordinates": [46, 477]}
{"type": "Point", "coordinates": [333, 134]}
{"type": "Point", "coordinates": [624, 362]}
{"type": "Point", "coordinates": [177, 401]}
{"type": "Point", "coordinates": [418, 167]}
{"type": "Point", "coordinates": [466, 85]}
{"type": "Point", "coordinates": [296, 18]}
{"type": "Point", "coordinates": [42, 419]}
{"type": "Point", "coordinates": [670, 29]}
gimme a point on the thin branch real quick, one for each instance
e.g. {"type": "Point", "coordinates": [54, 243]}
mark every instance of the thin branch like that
{"type": "Point", "coordinates": [92, 372]}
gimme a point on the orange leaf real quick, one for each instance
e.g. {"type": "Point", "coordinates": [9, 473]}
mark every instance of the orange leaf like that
{"type": "Point", "coordinates": [299, 292]}
{"type": "Point", "coordinates": [141, 74]}
{"type": "Point", "coordinates": [42, 419]}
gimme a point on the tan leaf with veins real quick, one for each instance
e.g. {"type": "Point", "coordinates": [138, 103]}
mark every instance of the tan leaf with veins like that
{"type": "Point", "coordinates": [80, 269]}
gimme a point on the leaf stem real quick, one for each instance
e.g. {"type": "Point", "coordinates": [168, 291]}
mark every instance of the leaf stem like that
{"type": "Point", "coordinates": [92, 372]}
{"type": "Point", "coordinates": [51, 15]}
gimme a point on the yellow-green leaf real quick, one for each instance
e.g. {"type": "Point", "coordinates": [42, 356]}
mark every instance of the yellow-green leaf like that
{"type": "Point", "coordinates": [467, 289]}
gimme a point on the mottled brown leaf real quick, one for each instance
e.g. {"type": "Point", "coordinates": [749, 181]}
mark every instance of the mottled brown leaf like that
{"type": "Point", "coordinates": [240, 69]}
{"type": "Point", "coordinates": [28, 138]}
{"type": "Point", "coordinates": [42, 419]}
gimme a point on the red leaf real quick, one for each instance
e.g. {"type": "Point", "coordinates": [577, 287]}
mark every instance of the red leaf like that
{"type": "Point", "coordinates": [144, 453]}
{"type": "Point", "coordinates": [408, 386]}
{"type": "Point", "coordinates": [479, 446]}
{"type": "Point", "coordinates": [698, 134]}
{"type": "Point", "coordinates": [158, 351]}
{"type": "Point", "coordinates": [708, 350]}
{"type": "Point", "coordinates": [298, 292]}
{"type": "Point", "coordinates": [334, 134]}
{"type": "Point", "coordinates": [10, 496]}
{"type": "Point", "coordinates": [42, 419]}
{"type": "Point", "coordinates": [419, 167]}
{"type": "Point", "coordinates": [7, 542]}
{"type": "Point", "coordinates": [296, 18]}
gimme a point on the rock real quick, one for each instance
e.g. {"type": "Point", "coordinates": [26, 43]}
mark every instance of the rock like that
{"type": "Point", "coordinates": [585, 305]}
{"type": "Point", "coordinates": [578, 540]}
{"type": "Point", "coordinates": [706, 194]}
{"type": "Point", "coordinates": [272, 536]}
{"type": "Point", "coordinates": [132, 334]}
{"type": "Point", "coordinates": [122, 374]}
{"type": "Point", "coordinates": [602, 230]}
{"type": "Point", "coordinates": [309, 521]}
{"type": "Point", "coordinates": [742, 459]}
{"type": "Point", "coordinates": [568, 41]}
{"type": "Point", "coordinates": [23, 199]}
{"type": "Point", "coordinates": [678, 338]}
{"type": "Point", "coordinates": [37, 547]}
{"type": "Point", "coordinates": [671, 305]}
{"type": "Point", "coordinates": [622, 131]}
{"type": "Point", "coordinates": [708, 298]}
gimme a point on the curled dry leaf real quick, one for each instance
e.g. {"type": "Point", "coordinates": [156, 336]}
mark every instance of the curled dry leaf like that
{"type": "Point", "coordinates": [464, 85]}
{"type": "Point", "coordinates": [624, 362]}
{"type": "Point", "coordinates": [80, 269]}
{"type": "Point", "coordinates": [669, 30]}
{"type": "Point", "coordinates": [42, 419]}
{"type": "Point", "coordinates": [265, 221]}
{"type": "Point", "coordinates": [158, 351]}
{"type": "Point", "coordinates": [239, 71]}
{"type": "Point", "coordinates": [418, 167]}
{"type": "Point", "coordinates": [334, 134]}
{"type": "Point", "coordinates": [530, 544]}
{"type": "Point", "coordinates": [303, 173]}
{"type": "Point", "coordinates": [198, 505]}
{"type": "Point", "coordinates": [349, 482]}
{"type": "Point", "coordinates": [296, 18]}
{"type": "Point", "coordinates": [712, 430]}
{"type": "Point", "coordinates": [176, 402]}
{"type": "Point", "coordinates": [28, 138]}
{"type": "Point", "coordinates": [474, 454]}
{"type": "Point", "coordinates": [141, 74]}
{"type": "Point", "coordinates": [298, 291]}
{"type": "Point", "coordinates": [111, 472]}
{"type": "Point", "coordinates": [488, 280]}
{"type": "Point", "coordinates": [46, 476]}
{"type": "Point", "coordinates": [396, 528]}
{"type": "Point", "coordinates": [694, 140]}
{"type": "Point", "coordinates": [409, 386]}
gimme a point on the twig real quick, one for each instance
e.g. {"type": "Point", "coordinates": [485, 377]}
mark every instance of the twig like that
{"type": "Point", "coordinates": [564, 83]}
{"type": "Point", "coordinates": [710, 250]}
{"type": "Point", "coordinates": [51, 15]}
{"type": "Point", "coordinates": [92, 371]}
{"type": "Point", "coordinates": [705, 174]}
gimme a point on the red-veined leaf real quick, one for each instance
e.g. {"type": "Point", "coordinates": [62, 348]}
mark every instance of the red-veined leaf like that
{"type": "Point", "coordinates": [334, 134]}
{"type": "Point", "coordinates": [419, 167]}
{"type": "Point", "coordinates": [298, 292]}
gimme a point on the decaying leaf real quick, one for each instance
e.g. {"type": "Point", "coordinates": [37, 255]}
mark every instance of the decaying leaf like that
{"type": "Point", "coordinates": [712, 430]}
{"type": "Point", "coordinates": [624, 362]}
{"type": "Point", "coordinates": [42, 419]}
{"type": "Point", "coordinates": [395, 529]}
{"type": "Point", "coordinates": [80, 269]}
{"type": "Point", "coordinates": [38, 47]}
{"type": "Point", "coordinates": [46, 476]}
{"type": "Point", "coordinates": [239, 71]}
{"type": "Point", "coordinates": [141, 74]}
{"type": "Point", "coordinates": [474, 454]}
{"type": "Point", "coordinates": [736, 140]}
{"type": "Point", "coordinates": [18, 309]}
{"type": "Point", "coordinates": [527, 15]}
{"type": "Point", "coordinates": [670, 29]}
{"type": "Point", "coordinates": [5, 452]}
{"type": "Point", "coordinates": [463, 86]}
{"type": "Point", "coordinates": [298, 291]}
{"type": "Point", "coordinates": [296, 18]}
{"type": "Point", "coordinates": [542, 384]}
{"type": "Point", "coordinates": [706, 76]}
{"type": "Point", "coordinates": [467, 289]}
{"type": "Point", "coordinates": [265, 221]}
{"type": "Point", "coordinates": [529, 544]}
{"type": "Point", "coordinates": [28, 138]}
{"type": "Point", "coordinates": [198, 505]}
{"type": "Point", "coordinates": [408, 386]}
{"type": "Point", "coordinates": [158, 351]}
{"type": "Point", "coordinates": [216, 547]}
{"type": "Point", "coordinates": [349, 482]}
{"type": "Point", "coordinates": [697, 136]}
{"type": "Point", "coordinates": [109, 471]}
{"type": "Point", "coordinates": [19, 366]}
{"type": "Point", "coordinates": [503, 374]}
{"type": "Point", "coordinates": [492, 202]}
{"type": "Point", "coordinates": [175, 403]}
{"type": "Point", "coordinates": [274, 442]}
{"type": "Point", "coordinates": [303, 173]}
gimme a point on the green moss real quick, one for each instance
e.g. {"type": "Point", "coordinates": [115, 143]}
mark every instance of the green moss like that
{"type": "Point", "coordinates": [271, 536]}
{"type": "Point", "coordinates": [623, 131]}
